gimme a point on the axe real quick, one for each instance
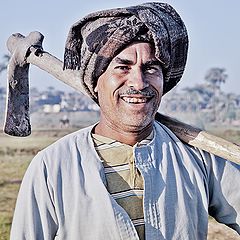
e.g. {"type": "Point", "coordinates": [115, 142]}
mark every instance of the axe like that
{"type": "Point", "coordinates": [26, 50]}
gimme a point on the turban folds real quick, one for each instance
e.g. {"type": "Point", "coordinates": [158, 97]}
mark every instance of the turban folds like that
{"type": "Point", "coordinates": [96, 39]}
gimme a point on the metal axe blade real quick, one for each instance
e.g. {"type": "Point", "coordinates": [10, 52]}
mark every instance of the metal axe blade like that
{"type": "Point", "coordinates": [17, 120]}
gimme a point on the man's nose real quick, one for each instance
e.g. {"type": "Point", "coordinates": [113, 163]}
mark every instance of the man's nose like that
{"type": "Point", "coordinates": [137, 80]}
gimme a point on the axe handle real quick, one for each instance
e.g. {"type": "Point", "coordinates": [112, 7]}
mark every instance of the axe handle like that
{"type": "Point", "coordinates": [187, 133]}
{"type": "Point", "coordinates": [201, 139]}
{"type": "Point", "coordinates": [54, 66]}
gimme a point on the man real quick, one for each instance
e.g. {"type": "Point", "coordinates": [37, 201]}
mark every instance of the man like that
{"type": "Point", "coordinates": [128, 176]}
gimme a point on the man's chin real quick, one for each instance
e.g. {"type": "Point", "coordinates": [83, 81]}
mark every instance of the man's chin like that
{"type": "Point", "coordinates": [136, 122]}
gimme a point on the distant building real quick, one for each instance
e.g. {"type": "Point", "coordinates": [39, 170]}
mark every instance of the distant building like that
{"type": "Point", "coordinates": [54, 108]}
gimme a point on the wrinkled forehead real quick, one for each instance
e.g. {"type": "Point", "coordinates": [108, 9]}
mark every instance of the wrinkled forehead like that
{"type": "Point", "coordinates": [136, 52]}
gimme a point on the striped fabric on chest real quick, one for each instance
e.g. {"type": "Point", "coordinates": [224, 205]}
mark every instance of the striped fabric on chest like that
{"type": "Point", "coordinates": [124, 181]}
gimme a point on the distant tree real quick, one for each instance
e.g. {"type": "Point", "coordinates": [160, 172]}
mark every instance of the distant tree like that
{"type": "Point", "coordinates": [231, 114]}
{"type": "Point", "coordinates": [231, 102]}
{"type": "Point", "coordinates": [3, 65]}
{"type": "Point", "coordinates": [204, 101]}
{"type": "Point", "coordinates": [197, 96]}
{"type": "Point", "coordinates": [215, 77]}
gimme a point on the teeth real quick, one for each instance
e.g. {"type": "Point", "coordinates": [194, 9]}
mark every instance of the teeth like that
{"type": "Point", "coordinates": [134, 100]}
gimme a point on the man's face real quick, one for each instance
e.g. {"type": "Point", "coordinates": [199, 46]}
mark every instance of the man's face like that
{"type": "Point", "coordinates": [130, 90]}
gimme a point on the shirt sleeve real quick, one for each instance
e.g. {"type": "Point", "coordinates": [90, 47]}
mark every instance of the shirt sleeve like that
{"type": "Point", "coordinates": [34, 216]}
{"type": "Point", "coordinates": [224, 191]}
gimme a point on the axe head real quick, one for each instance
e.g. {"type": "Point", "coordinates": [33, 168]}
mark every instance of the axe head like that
{"type": "Point", "coordinates": [17, 119]}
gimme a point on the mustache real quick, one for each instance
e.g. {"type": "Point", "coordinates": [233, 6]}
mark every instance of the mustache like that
{"type": "Point", "coordinates": [145, 92]}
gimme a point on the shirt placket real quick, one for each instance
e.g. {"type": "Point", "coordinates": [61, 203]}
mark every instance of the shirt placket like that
{"type": "Point", "coordinates": [144, 163]}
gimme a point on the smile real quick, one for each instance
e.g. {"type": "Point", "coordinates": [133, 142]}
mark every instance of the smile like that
{"type": "Point", "coordinates": [135, 100]}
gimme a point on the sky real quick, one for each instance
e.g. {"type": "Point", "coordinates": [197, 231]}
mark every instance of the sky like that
{"type": "Point", "coordinates": [213, 28]}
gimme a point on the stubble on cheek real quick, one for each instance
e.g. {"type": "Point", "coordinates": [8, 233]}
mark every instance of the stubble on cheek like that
{"type": "Point", "coordinates": [137, 118]}
{"type": "Point", "coordinates": [119, 114]}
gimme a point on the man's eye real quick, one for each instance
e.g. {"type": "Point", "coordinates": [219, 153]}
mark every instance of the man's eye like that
{"type": "Point", "coordinates": [122, 67]}
{"type": "Point", "coordinates": [151, 70]}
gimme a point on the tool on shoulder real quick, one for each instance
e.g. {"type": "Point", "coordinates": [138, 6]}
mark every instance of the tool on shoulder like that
{"type": "Point", "coordinates": [17, 120]}
{"type": "Point", "coordinates": [26, 50]}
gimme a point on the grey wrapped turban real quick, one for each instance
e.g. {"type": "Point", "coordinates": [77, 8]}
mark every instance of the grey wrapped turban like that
{"type": "Point", "coordinates": [97, 38]}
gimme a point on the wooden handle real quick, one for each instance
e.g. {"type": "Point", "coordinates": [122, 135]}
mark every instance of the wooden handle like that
{"type": "Point", "coordinates": [201, 139]}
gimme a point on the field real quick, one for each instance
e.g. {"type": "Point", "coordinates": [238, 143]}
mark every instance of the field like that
{"type": "Point", "coordinates": [16, 153]}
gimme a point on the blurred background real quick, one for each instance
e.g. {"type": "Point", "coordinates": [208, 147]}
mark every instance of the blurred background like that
{"type": "Point", "coordinates": [211, 78]}
{"type": "Point", "coordinates": [208, 96]}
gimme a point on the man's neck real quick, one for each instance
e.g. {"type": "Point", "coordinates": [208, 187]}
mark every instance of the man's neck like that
{"type": "Point", "coordinates": [126, 136]}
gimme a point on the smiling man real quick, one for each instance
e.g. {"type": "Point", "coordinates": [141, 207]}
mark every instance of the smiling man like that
{"type": "Point", "coordinates": [129, 94]}
{"type": "Point", "coordinates": [127, 177]}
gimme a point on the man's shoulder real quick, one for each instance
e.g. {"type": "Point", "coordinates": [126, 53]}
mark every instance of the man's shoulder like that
{"type": "Point", "coordinates": [184, 149]}
{"type": "Point", "coordinates": [165, 133]}
{"type": "Point", "coordinates": [67, 140]}
{"type": "Point", "coordinates": [66, 146]}
{"type": "Point", "coordinates": [198, 155]}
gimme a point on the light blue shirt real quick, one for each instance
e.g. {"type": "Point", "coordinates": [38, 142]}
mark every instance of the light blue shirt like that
{"type": "Point", "coordinates": [63, 194]}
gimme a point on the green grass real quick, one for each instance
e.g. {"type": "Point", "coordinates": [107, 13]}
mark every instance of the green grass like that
{"type": "Point", "coordinates": [15, 156]}
{"type": "Point", "coordinates": [11, 173]}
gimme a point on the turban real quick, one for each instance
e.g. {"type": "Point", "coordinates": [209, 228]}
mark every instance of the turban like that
{"type": "Point", "coordinates": [97, 38]}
